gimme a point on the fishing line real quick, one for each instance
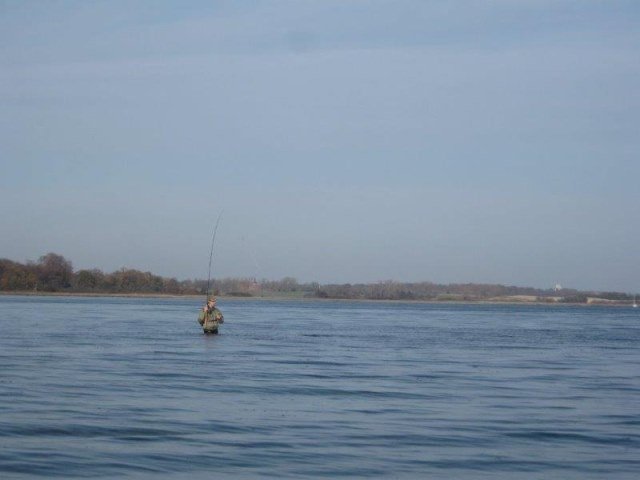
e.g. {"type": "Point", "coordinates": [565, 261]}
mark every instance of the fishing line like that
{"type": "Point", "coordinates": [248, 247]}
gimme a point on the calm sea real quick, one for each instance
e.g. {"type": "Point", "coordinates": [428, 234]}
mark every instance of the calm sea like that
{"type": "Point", "coordinates": [106, 387]}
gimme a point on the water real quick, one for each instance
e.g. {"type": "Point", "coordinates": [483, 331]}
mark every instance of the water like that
{"type": "Point", "coordinates": [105, 387]}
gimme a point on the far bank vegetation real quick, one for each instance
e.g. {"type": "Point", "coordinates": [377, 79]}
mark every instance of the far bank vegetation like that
{"type": "Point", "coordinates": [54, 273]}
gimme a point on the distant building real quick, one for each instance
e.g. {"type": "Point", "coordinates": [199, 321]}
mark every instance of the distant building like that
{"type": "Point", "coordinates": [557, 288]}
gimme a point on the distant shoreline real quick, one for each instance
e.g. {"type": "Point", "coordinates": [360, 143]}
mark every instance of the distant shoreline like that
{"type": "Point", "coordinates": [493, 301]}
{"type": "Point", "coordinates": [53, 275]}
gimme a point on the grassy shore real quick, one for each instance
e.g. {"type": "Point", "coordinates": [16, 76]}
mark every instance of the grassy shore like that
{"type": "Point", "coordinates": [299, 296]}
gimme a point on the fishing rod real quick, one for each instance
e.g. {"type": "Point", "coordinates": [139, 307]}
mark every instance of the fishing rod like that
{"type": "Point", "coordinates": [213, 241]}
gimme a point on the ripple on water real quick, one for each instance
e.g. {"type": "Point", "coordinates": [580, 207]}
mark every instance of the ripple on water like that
{"type": "Point", "coordinates": [317, 389]}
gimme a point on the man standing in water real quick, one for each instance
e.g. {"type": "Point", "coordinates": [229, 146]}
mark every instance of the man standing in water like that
{"type": "Point", "coordinates": [210, 317]}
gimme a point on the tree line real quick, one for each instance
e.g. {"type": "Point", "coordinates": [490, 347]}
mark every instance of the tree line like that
{"type": "Point", "coordinates": [54, 273]}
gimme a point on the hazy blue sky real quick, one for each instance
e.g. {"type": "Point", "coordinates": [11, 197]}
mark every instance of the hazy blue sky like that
{"type": "Point", "coordinates": [469, 141]}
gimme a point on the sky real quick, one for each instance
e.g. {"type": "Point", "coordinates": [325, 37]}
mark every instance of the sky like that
{"type": "Point", "coordinates": [342, 140]}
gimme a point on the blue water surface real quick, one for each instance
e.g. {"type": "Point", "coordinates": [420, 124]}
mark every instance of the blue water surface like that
{"type": "Point", "coordinates": [114, 387]}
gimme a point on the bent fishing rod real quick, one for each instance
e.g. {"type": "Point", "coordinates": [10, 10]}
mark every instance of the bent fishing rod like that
{"type": "Point", "coordinates": [213, 241]}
